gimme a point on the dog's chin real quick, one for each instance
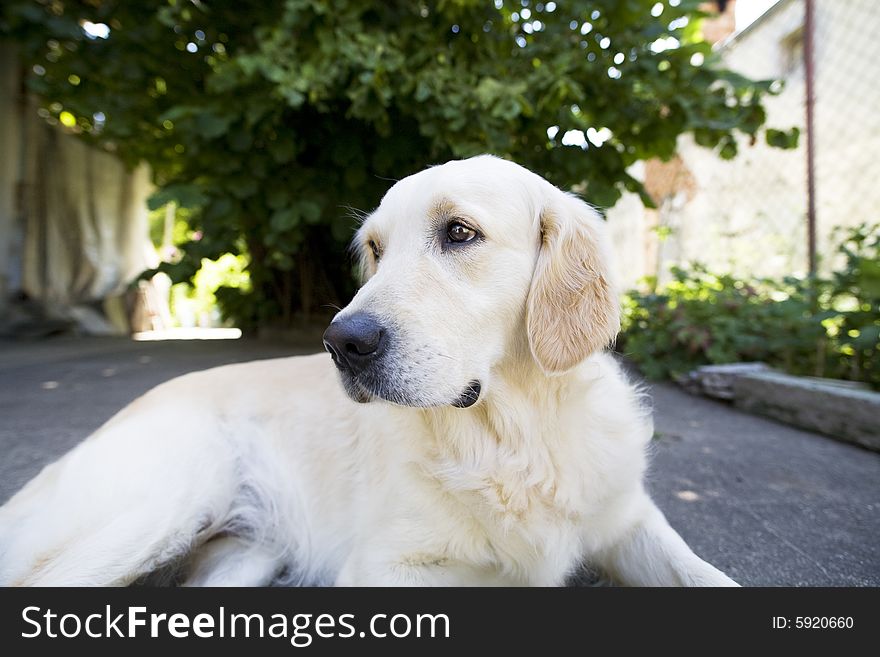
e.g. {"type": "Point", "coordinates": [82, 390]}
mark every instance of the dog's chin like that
{"type": "Point", "coordinates": [355, 391]}
{"type": "Point", "coordinates": [363, 394]}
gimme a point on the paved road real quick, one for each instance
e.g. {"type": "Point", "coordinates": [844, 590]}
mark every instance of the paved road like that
{"type": "Point", "coordinates": [768, 504]}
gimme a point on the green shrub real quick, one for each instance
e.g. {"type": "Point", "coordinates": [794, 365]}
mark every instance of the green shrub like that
{"type": "Point", "coordinates": [853, 294]}
{"type": "Point", "coordinates": [823, 327]}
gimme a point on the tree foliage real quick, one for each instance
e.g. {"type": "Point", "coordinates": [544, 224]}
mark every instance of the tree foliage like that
{"type": "Point", "coordinates": [269, 119]}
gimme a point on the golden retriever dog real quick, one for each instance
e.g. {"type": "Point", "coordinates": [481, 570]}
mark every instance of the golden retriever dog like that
{"type": "Point", "coordinates": [465, 428]}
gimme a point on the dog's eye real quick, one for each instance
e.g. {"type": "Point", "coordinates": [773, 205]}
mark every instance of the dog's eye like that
{"type": "Point", "coordinates": [374, 248]}
{"type": "Point", "coordinates": [458, 232]}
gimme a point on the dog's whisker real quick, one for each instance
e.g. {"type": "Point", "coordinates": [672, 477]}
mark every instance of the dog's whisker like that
{"type": "Point", "coordinates": [356, 213]}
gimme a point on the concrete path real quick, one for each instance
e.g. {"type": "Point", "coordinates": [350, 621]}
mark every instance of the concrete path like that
{"type": "Point", "coordinates": [768, 504]}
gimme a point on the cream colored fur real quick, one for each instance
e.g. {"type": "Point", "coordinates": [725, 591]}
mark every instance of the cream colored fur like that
{"type": "Point", "coordinates": [263, 471]}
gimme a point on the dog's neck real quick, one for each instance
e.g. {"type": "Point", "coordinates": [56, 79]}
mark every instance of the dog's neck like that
{"type": "Point", "coordinates": [508, 453]}
{"type": "Point", "coordinates": [512, 414]}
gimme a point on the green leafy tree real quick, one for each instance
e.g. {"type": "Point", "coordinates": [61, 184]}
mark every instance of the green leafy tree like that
{"type": "Point", "coordinates": [268, 119]}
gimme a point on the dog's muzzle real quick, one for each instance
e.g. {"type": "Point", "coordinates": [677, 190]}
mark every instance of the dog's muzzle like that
{"type": "Point", "coordinates": [358, 345]}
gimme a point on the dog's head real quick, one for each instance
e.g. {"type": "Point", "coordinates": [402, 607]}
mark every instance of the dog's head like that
{"type": "Point", "coordinates": [467, 266]}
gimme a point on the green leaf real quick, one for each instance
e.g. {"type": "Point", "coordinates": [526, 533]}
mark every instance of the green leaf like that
{"type": "Point", "coordinates": [284, 219]}
{"type": "Point", "coordinates": [239, 140]}
{"type": "Point", "coordinates": [310, 212]}
{"type": "Point", "coordinates": [868, 338]}
{"type": "Point", "coordinates": [186, 196]}
{"type": "Point", "coordinates": [282, 149]}
{"type": "Point", "coordinates": [242, 187]}
{"type": "Point", "coordinates": [782, 138]}
{"type": "Point", "coordinates": [211, 125]}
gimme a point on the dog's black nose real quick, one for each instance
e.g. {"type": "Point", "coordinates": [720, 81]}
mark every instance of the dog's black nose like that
{"type": "Point", "coordinates": [354, 341]}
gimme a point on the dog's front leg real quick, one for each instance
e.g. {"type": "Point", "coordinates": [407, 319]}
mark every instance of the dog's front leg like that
{"type": "Point", "coordinates": [360, 571]}
{"type": "Point", "coordinates": [371, 567]}
{"type": "Point", "coordinates": [651, 553]}
{"type": "Point", "coordinates": [404, 561]}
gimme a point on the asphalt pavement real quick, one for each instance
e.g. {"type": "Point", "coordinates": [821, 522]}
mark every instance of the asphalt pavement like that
{"type": "Point", "coordinates": [768, 504]}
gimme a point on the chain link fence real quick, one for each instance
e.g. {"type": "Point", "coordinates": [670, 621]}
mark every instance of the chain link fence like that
{"type": "Point", "coordinates": [749, 215]}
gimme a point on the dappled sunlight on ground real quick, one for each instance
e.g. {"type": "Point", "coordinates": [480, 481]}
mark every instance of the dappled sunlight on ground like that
{"type": "Point", "coordinates": [188, 334]}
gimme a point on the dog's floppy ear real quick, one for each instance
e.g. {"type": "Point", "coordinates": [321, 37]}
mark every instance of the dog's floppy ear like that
{"type": "Point", "coordinates": [573, 308]}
